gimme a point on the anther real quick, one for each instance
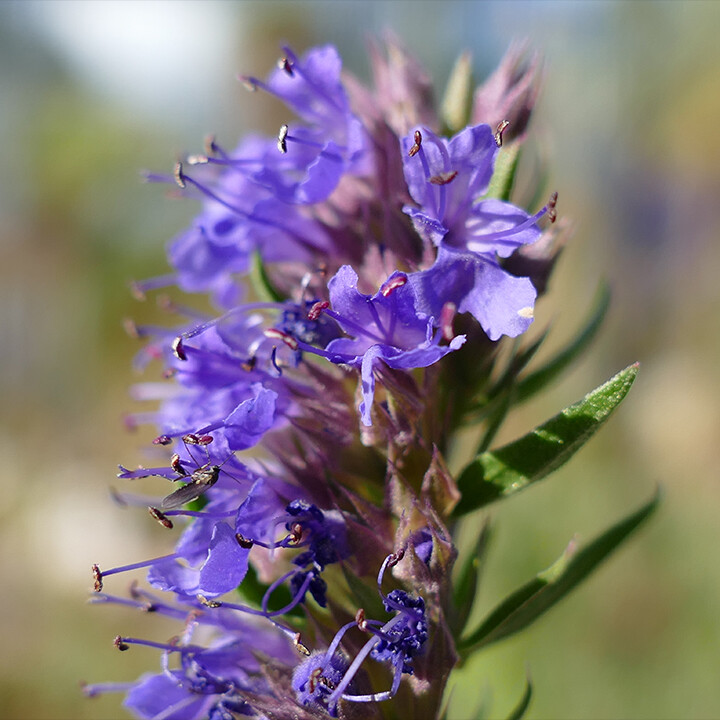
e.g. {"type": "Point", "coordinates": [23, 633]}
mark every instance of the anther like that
{"type": "Point", "coordinates": [162, 440]}
{"type": "Point", "coordinates": [160, 517]}
{"type": "Point", "coordinates": [119, 644]}
{"type": "Point", "coordinates": [191, 439]}
{"type": "Point", "coordinates": [317, 308]}
{"type": "Point", "coordinates": [315, 676]}
{"type": "Point", "coordinates": [209, 145]}
{"type": "Point", "coordinates": [285, 64]}
{"type": "Point", "coordinates": [501, 128]}
{"type": "Point", "coordinates": [282, 139]}
{"type": "Point", "coordinates": [389, 286]}
{"type": "Point", "coordinates": [208, 603]}
{"type": "Point", "coordinates": [249, 83]}
{"type": "Point", "coordinates": [360, 619]}
{"type": "Point", "coordinates": [137, 292]}
{"type": "Point", "coordinates": [169, 373]}
{"type": "Point", "coordinates": [447, 315]}
{"type": "Point", "coordinates": [296, 533]}
{"type": "Point", "coordinates": [131, 329]}
{"type": "Point", "coordinates": [443, 178]}
{"type": "Point", "coordinates": [276, 334]}
{"type": "Point", "coordinates": [178, 175]}
{"type": "Point", "coordinates": [177, 466]}
{"type": "Point", "coordinates": [205, 439]}
{"type": "Point", "coordinates": [243, 542]}
{"type": "Point", "coordinates": [197, 160]}
{"type": "Point", "coordinates": [416, 147]}
{"type": "Point", "coordinates": [249, 364]}
{"type": "Point", "coordinates": [396, 557]}
{"type": "Point", "coordinates": [97, 577]}
{"type": "Point", "coordinates": [299, 646]}
{"type": "Point", "coordinates": [178, 349]}
{"type": "Point", "coordinates": [551, 213]}
{"type": "Point", "coordinates": [327, 682]}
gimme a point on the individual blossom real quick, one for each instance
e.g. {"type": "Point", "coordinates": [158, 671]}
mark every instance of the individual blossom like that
{"type": "Point", "coordinates": [386, 327]}
{"type": "Point", "coordinates": [447, 179]}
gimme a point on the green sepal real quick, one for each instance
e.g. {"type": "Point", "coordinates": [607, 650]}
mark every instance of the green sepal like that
{"type": "Point", "coordinates": [540, 378]}
{"type": "Point", "coordinates": [521, 708]}
{"type": "Point", "coordinates": [261, 282]}
{"type": "Point", "coordinates": [503, 178]}
{"type": "Point", "coordinates": [455, 107]}
{"type": "Point", "coordinates": [503, 472]}
{"type": "Point", "coordinates": [529, 602]}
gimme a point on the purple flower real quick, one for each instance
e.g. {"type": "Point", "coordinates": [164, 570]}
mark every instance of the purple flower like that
{"type": "Point", "coordinates": [386, 327]}
{"type": "Point", "coordinates": [447, 179]}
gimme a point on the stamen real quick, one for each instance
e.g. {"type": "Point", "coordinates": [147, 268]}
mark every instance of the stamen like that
{"type": "Point", "coordinates": [249, 83]}
{"type": "Point", "coordinates": [276, 334]}
{"type": "Point", "coordinates": [191, 439]}
{"type": "Point", "coordinates": [392, 284]}
{"type": "Point", "coordinates": [249, 364]}
{"type": "Point", "coordinates": [208, 603]}
{"type": "Point", "coordinates": [360, 620]}
{"type": "Point", "coordinates": [209, 145]}
{"type": "Point", "coordinates": [299, 646]}
{"type": "Point", "coordinates": [243, 542]}
{"type": "Point", "coordinates": [447, 315]}
{"type": "Point", "coordinates": [119, 644]}
{"type": "Point", "coordinates": [198, 159]}
{"type": "Point", "coordinates": [98, 578]}
{"type": "Point", "coordinates": [161, 518]}
{"type": "Point", "coordinates": [316, 310]}
{"type": "Point", "coordinates": [177, 466]}
{"type": "Point", "coordinates": [162, 440]}
{"type": "Point", "coordinates": [177, 348]}
{"type": "Point", "coordinates": [502, 126]}
{"type": "Point", "coordinates": [551, 213]}
{"type": "Point", "coordinates": [443, 178]}
{"type": "Point", "coordinates": [282, 139]}
{"type": "Point", "coordinates": [178, 175]}
{"type": "Point", "coordinates": [416, 147]}
{"type": "Point", "coordinates": [284, 64]}
{"type": "Point", "coordinates": [296, 533]}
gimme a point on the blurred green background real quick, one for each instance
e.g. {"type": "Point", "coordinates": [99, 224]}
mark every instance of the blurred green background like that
{"type": "Point", "coordinates": [93, 92]}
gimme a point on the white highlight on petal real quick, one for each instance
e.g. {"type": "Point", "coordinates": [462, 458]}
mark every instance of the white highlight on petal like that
{"type": "Point", "coordinates": [526, 312]}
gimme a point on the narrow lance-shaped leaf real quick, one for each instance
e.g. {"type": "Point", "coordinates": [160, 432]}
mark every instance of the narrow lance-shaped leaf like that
{"type": "Point", "coordinates": [536, 597]}
{"type": "Point", "coordinates": [503, 472]}
{"type": "Point", "coordinates": [466, 576]}
{"type": "Point", "coordinates": [521, 708]}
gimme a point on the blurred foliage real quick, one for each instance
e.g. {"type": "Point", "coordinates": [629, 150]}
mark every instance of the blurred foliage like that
{"type": "Point", "coordinates": [628, 121]}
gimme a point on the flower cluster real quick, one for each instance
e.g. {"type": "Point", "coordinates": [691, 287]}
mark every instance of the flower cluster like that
{"type": "Point", "coordinates": [360, 265]}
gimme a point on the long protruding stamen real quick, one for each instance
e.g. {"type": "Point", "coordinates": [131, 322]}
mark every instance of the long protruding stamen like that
{"type": "Point", "coordinates": [548, 210]}
{"type": "Point", "coordinates": [101, 574]}
{"type": "Point", "coordinates": [182, 179]}
{"type": "Point", "coordinates": [357, 662]}
{"type": "Point", "coordinates": [298, 68]}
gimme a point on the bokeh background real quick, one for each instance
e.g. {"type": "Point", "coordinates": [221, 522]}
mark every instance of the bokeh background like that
{"type": "Point", "coordinates": [629, 118]}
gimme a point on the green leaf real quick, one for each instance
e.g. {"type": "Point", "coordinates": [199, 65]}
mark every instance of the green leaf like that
{"type": "Point", "coordinates": [364, 594]}
{"type": "Point", "coordinates": [537, 380]}
{"type": "Point", "coordinates": [536, 597]}
{"type": "Point", "coordinates": [261, 281]}
{"type": "Point", "coordinates": [503, 472]}
{"type": "Point", "coordinates": [468, 572]}
{"type": "Point", "coordinates": [521, 708]}
{"type": "Point", "coordinates": [503, 179]}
